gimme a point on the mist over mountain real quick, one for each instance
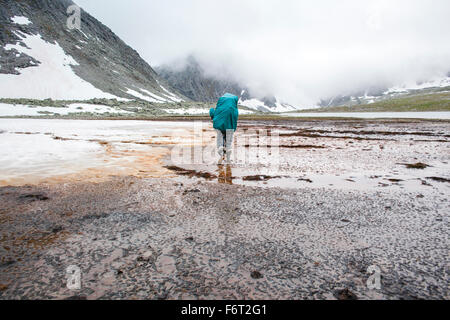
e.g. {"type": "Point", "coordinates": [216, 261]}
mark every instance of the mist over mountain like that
{"type": "Point", "coordinates": [188, 76]}
{"type": "Point", "coordinates": [191, 80]}
{"type": "Point", "coordinates": [300, 51]}
{"type": "Point", "coordinates": [380, 57]}
{"type": "Point", "coordinates": [40, 57]}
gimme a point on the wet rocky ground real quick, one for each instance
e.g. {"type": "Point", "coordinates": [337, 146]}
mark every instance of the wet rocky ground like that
{"type": "Point", "coordinates": [229, 235]}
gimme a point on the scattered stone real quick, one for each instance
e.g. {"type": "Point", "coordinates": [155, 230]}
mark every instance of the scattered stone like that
{"type": "Point", "coordinates": [57, 229]}
{"type": "Point", "coordinates": [76, 298]}
{"type": "Point", "coordinates": [438, 179]}
{"type": "Point", "coordinates": [345, 294]}
{"type": "Point", "coordinates": [256, 275]}
{"type": "Point", "coordinates": [418, 165]}
{"type": "Point", "coordinates": [259, 178]}
{"type": "Point", "coordinates": [7, 263]}
{"type": "Point", "coordinates": [302, 147]}
{"type": "Point", "coordinates": [190, 239]}
{"type": "Point", "coordinates": [33, 197]}
{"type": "Point", "coordinates": [191, 173]}
{"type": "Point", "coordinates": [191, 191]}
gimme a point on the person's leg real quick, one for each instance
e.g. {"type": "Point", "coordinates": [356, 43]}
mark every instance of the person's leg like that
{"type": "Point", "coordinates": [229, 143]}
{"type": "Point", "coordinates": [220, 143]}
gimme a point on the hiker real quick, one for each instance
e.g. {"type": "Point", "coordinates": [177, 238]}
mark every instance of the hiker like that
{"type": "Point", "coordinates": [225, 117]}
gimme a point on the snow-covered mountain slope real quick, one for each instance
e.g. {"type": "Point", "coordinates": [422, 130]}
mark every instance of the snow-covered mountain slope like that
{"type": "Point", "coordinates": [40, 58]}
{"type": "Point", "coordinates": [430, 84]}
{"type": "Point", "coordinates": [373, 95]}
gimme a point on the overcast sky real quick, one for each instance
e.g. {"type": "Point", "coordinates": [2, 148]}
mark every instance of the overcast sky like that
{"type": "Point", "coordinates": [301, 51]}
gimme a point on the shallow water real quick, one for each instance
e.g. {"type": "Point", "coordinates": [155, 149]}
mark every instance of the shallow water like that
{"type": "Point", "coordinates": [36, 151]}
{"type": "Point", "coordinates": [325, 154]}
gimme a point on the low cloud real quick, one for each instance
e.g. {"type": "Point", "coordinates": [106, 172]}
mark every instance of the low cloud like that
{"type": "Point", "coordinates": [301, 51]}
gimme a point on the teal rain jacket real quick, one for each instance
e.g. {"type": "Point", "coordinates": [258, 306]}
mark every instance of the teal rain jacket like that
{"type": "Point", "coordinates": [226, 114]}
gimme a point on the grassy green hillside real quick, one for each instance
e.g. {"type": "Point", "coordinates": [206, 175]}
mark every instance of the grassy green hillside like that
{"type": "Point", "coordinates": [423, 102]}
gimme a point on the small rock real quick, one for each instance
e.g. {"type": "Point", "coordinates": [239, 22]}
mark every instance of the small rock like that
{"type": "Point", "coordinates": [57, 229]}
{"type": "Point", "coordinates": [76, 298]}
{"type": "Point", "coordinates": [191, 191]}
{"type": "Point", "coordinates": [256, 275]}
{"type": "Point", "coordinates": [418, 165]}
{"type": "Point", "coordinates": [189, 239]}
{"type": "Point", "coordinates": [34, 197]}
{"type": "Point", "coordinates": [345, 294]}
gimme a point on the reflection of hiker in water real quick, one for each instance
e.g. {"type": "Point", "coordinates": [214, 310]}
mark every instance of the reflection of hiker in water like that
{"type": "Point", "coordinates": [225, 117]}
{"type": "Point", "coordinates": [225, 174]}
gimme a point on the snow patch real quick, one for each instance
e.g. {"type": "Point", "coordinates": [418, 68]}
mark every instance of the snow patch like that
{"type": "Point", "coordinates": [21, 20]}
{"type": "Point", "coordinates": [246, 111]}
{"type": "Point", "coordinates": [199, 111]}
{"type": "Point", "coordinates": [9, 110]}
{"type": "Point", "coordinates": [170, 95]}
{"type": "Point", "coordinates": [141, 96]}
{"type": "Point", "coordinates": [153, 95]}
{"type": "Point", "coordinates": [257, 104]}
{"type": "Point", "coordinates": [52, 78]}
{"type": "Point", "coordinates": [191, 111]}
{"type": "Point", "coordinates": [253, 104]}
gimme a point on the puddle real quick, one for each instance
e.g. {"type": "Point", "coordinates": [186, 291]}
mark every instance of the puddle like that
{"type": "Point", "coordinates": [327, 154]}
{"type": "Point", "coordinates": [231, 174]}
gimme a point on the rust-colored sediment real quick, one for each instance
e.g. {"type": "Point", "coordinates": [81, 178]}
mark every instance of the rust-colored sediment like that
{"type": "Point", "coordinates": [126, 162]}
{"type": "Point", "coordinates": [118, 160]}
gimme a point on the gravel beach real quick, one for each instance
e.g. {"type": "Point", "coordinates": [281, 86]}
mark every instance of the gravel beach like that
{"type": "Point", "coordinates": [312, 230]}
